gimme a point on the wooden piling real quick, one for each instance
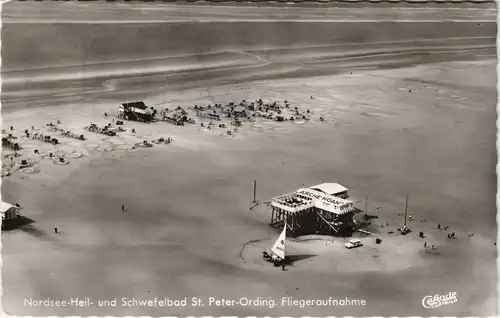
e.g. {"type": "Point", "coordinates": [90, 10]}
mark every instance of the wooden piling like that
{"type": "Point", "coordinates": [366, 204]}
{"type": "Point", "coordinates": [406, 210]}
{"type": "Point", "coordinates": [254, 190]}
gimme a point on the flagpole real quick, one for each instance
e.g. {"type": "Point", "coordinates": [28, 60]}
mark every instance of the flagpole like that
{"type": "Point", "coordinates": [366, 204]}
{"type": "Point", "coordinates": [406, 210]}
{"type": "Point", "coordinates": [254, 190]}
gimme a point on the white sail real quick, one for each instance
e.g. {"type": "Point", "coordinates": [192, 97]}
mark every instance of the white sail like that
{"type": "Point", "coordinates": [279, 246]}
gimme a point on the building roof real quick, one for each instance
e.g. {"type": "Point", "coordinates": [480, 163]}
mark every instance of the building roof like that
{"type": "Point", "coordinates": [297, 205]}
{"type": "Point", "coordinates": [306, 197]}
{"type": "Point", "coordinates": [327, 202]}
{"type": "Point", "coordinates": [329, 188]}
{"type": "Point", "coordinates": [139, 105]}
{"type": "Point", "coordinates": [318, 195]}
{"type": "Point", "coordinates": [332, 208]}
{"type": "Point", "coordinates": [4, 207]}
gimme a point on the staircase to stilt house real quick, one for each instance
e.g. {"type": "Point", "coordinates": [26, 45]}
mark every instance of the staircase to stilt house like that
{"type": "Point", "coordinates": [137, 118]}
{"type": "Point", "coordinates": [277, 223]}
{"type": "Point", "coordinates": [333, 227]}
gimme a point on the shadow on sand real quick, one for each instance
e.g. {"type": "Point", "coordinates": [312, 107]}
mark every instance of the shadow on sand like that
{"type": "Point", "coordinates": [29, 229]}
{"type": "Point", "coordinates": [20, 221]}
{"type": "Point", "coordinates": [290, 259]}
{"type": "Point", "coordinates": [25, 225]}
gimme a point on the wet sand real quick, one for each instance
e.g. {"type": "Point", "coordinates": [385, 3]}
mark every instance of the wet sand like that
{"type": "Point", "coordinates": [405, 121]}
{"type": "Point", "coordinates": [120, 12]}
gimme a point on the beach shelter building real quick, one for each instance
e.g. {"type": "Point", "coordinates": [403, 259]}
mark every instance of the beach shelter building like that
{"type": "Point", "coordinates": [314, 210]}
{"type": "Point", "coordinates": [137, 111]}
{"type": "Point", "coordinates": [9, 212]}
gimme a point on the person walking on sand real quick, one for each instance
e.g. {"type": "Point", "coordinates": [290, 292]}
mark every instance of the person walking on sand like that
{"type": "Point", "coordinates": [425, 245]}
{"type": "Point", "coordinates": [55, 229]}
{"type": "Point", "coordinates": [123, 208]}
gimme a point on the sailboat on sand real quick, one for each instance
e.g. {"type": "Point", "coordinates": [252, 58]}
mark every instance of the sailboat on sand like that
{"type": "Point", "coordinates": [277, 253]}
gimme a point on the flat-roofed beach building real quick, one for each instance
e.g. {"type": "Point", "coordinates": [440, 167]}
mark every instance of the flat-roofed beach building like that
{"type": "Point", "coordinates": [318, 209]}
{"type": "Point", "coordinates": [10, 214]}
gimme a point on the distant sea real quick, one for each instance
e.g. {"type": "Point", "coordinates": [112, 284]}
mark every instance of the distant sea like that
{"type": "Point", "coordinates": [45, 63]}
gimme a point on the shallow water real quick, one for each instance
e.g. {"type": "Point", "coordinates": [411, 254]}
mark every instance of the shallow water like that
{"type": "Point", "coordinates": [54, 63]}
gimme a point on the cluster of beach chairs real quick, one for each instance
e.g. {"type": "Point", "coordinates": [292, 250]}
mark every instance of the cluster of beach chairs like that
{"type": "Point", "coordinates": [243, 111]}
{"type": "Point", "coordinates": [223, 126]}
{"type": "Point", "coordinates": [10, 143]}
{"type": "Point", "coordinates": [162, 140]}
{"type": "Point", "coordinates": [104, 130]}
{"type": "Point", "coordinates": [212, 114]}
{"type": "Point", "coordinates": [144, 144]}
{"type": "Point", "coordinates": [67, 133]}
{"type": "Point", "coordinates": [216, 111]}
{"type": "Point", "coordinates": [177, 116]}
{"type": "Point", "coordinates": [44, 138]}
{"type": "Point", "coordinates": [211, 124]}
{"type": "Point", "coordinates": [248, 110]}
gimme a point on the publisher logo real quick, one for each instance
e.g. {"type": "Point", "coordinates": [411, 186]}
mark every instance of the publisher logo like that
{"type": "Point", "coordinates": [435, 301]}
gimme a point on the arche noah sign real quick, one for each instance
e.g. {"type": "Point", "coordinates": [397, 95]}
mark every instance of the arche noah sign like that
{"type": "Point", "coordinates": [324, 198]}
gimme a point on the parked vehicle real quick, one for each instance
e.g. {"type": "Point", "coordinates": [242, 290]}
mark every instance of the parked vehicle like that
{"type": "Point", "coordinates": [353, 244]}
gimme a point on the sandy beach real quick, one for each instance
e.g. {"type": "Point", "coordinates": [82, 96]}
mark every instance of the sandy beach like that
{"type": "Point", "coordinates": [408, 108]}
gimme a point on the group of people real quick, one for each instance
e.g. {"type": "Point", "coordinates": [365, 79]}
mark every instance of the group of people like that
{"type": "Point", "coordinates": [450, 236]}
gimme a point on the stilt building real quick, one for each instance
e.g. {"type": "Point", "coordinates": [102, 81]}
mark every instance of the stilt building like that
{"type": "Point", "coordinates": [136, 111]}
{"type": "Point", "coordinates": [320, 209]}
